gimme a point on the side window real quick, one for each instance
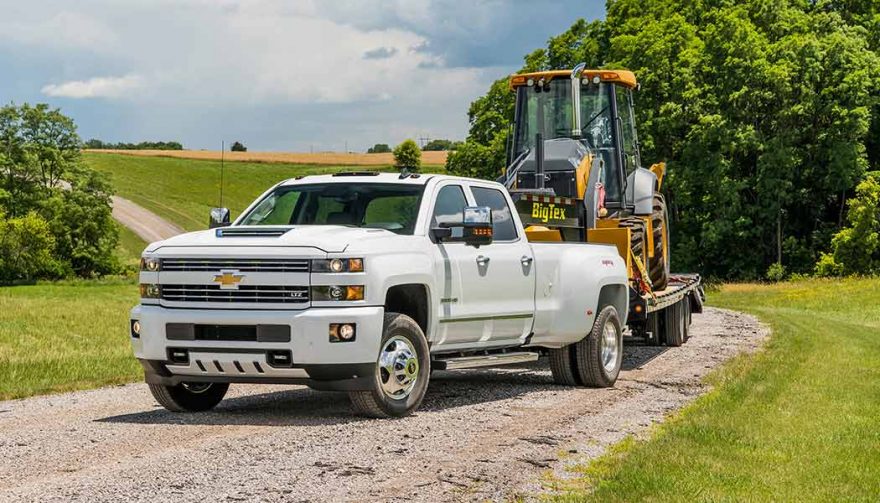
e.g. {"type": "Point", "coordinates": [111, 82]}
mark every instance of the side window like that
{"type": "Point", "coordinates": [628, 130]}
{"type": "Point", "coordinates": [502, 218]}
{"type": "Point", "coordinates": [449, 207]}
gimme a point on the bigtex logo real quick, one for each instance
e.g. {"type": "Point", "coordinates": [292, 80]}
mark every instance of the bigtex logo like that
{"type": "Point", "coordinates": [547, 213]}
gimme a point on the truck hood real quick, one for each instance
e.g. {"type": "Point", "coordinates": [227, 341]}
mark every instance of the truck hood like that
{"type": "Point", "coordinates": [327, 238]}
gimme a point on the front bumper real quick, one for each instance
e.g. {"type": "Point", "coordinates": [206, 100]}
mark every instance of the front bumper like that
{"type": "Point", "coordinates": [315, 360]}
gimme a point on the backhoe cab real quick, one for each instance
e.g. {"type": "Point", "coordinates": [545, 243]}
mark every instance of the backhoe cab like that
{"type": "Point", "coordinates": [575, 171]}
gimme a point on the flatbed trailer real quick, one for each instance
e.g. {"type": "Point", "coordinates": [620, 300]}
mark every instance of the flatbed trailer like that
{"type": "Point", "coordinates": [664, 317]}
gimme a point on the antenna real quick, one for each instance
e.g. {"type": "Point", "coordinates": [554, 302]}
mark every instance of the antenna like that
{"type": "Point", "coordinates": [222, 154]}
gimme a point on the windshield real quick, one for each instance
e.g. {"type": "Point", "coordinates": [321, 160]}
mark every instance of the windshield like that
{"type": "Point", "coordinates": [393, 207]}
{"type": "Point", "coordinates": [547, 110]}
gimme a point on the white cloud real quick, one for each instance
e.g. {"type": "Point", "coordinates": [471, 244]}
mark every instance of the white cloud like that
{"type": "Point", "coordinates": [96, 87]}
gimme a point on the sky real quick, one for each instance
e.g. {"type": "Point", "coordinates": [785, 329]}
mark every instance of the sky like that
{"type": "Point", "coordinates": [295, 75]}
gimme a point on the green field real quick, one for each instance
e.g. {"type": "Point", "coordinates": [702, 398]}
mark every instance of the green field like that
{"type": "Point", "coordinates": [184, 190]}
{"type": "Point", "coordinates": [65, 336]}
{"type": "Point", "coordinates": [797, 421]}
{"type": "Point", "coordinates": [130, 246]}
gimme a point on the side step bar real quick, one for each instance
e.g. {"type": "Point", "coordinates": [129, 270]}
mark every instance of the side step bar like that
{"type": "Point", "coordinates": [470, 362]}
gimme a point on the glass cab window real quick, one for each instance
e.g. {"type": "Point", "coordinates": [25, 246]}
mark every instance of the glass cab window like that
{"type": "Point", "coordinates": [503, 225]}
{"type": "Point", "coordinates": [449, 207]}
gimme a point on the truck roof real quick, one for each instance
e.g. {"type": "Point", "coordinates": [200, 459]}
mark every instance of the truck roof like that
{"type": "Point", "coordinates": [373, 177]}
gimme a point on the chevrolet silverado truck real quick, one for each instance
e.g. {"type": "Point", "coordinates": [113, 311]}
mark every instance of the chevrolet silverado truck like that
{"type": "Point", "coordinates": [366, 282]}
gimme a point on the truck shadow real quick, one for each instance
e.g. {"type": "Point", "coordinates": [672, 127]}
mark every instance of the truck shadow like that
{"type": "Point", "coordinates": [300, 406]}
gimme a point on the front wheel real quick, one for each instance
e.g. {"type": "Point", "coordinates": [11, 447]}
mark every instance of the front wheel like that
{"type": "Point", "coordinates": [403, 368]}
{"type": "Point", "coordinates": [189, 396]}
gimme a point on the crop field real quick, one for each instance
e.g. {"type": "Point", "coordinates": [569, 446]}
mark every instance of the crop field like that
{"type": "Point", "coordinates": [797, 421]}
{"type": "Point", "coordinates": [183, 191]}
{"type": "Point", "coordinates": [434, 158]}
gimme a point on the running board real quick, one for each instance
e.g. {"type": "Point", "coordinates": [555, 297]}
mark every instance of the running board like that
{"type": "Point", "coordinates": [470, 362]}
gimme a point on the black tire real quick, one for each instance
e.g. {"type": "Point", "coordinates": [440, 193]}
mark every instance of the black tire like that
{"type": "Point", "coordinates": [189, 397]}
{"type": "Point", "coordinates": [673, 325]}
{"type": "Point", "coordinates": [686, 318]}
{"type": "Point", "coordinates": [654, 326]}
{"type": "Point", "coordinates": [638, 234]}
{"type": "Point", "coordinates": [563, 366]}
{"type": "Point", "coordinates": [658, 265]}
{"type": "Point", "coordinates": [589, 351]}
{"type": "Point", "coordinates": [376, 402]}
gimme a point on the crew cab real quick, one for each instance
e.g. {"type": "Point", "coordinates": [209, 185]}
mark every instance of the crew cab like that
{"type": "Point", "coordinates": [366, 282]}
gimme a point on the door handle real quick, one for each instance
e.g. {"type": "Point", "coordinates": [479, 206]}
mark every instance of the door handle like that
{"type": "Point", "coordinates": [482, 260]}
{"type": "Point", "coordinates": [526, 260]}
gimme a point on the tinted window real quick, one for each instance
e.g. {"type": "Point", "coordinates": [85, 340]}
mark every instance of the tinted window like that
{"type": "Point", "coordinates": [502, 219]}
{"type": "Point", "coordinates": [393, 207]}
{"type": "Point", "coordinates": [449, 207]}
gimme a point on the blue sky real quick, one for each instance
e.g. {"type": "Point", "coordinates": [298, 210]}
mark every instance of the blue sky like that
{"type": "Point", "coordinates": [276, 75]}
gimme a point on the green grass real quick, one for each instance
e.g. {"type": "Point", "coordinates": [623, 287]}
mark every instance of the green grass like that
{"type": "Point", "coordinates": [130, 246]}
{"type": "Point", "coordinates": [799, 420]}
{"type": "Point", "coordinates": [65, 336]}
{"type": "Point", "coordinates": [184, 190]}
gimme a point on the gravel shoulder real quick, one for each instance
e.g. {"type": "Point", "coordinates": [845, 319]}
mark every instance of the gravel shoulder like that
{"type": "Point", "coordinates": [482, 434]}
{"type": "Point", "coordinates": [147, 225]}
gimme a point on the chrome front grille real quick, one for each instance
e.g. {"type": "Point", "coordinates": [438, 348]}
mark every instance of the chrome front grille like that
{"type": "Point", "coordinates": [277, 294]}
{"type": "Point", "coordinates": [243, 265]}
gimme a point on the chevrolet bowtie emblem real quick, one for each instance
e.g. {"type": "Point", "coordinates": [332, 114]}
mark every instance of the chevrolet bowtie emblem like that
{"type": "Point", "coordinates": [228, 280]}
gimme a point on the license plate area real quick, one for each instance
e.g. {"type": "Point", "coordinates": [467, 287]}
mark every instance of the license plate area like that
{"type": "Point", "coordinates": [243, 333]}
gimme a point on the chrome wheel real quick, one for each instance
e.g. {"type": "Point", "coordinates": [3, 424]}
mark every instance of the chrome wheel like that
{"type": "Point", "coordinates": [398, 368]}
{"type": "Point", "coordinates": [610, 349]}
{"type": "Point", "coordinates": [196, 387]}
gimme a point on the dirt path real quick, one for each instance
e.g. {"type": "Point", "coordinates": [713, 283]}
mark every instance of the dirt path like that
{"type": "Point", "coordinates": [487, 434]}
{"type": "Point", "coordinates": [147, 225]}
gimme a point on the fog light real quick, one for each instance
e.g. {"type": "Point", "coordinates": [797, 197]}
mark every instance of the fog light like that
{"type": "Point", "coordinates": [135, 328]}
{"type": "Point", "coordinates": [336, 292]}
{"type": "Point", "coordinates": [342, 332]}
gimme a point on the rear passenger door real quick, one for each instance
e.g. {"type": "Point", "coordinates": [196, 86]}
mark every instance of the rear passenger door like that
{"type": "Point", "coordinates": [501, 278]}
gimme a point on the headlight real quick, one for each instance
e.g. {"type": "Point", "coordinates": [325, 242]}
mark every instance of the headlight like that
{"type": "Point", "coordinates": [334, 265]}
{"type": "Point", "coordinates": [151, 264]}
{"type": "Point", "coordinates": [150, 291]}
{"type": "Point", "coordinates": [338, 292]}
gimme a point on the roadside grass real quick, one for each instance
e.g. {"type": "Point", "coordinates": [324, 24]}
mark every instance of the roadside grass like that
{"type": "Point", "coordinates": [65, 336]}
{"type": "Point", "coordinates": [184, 190]}
{"type": "Point", "coordinates": [799, 420]}
{"type": "Point", "coordinates": [130, 246]}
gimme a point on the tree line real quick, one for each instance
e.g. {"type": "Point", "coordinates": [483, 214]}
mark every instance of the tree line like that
{"type": "Point", "coordinates": [144, 145]}
{"type": "Point", "coordinates": [767, 114]}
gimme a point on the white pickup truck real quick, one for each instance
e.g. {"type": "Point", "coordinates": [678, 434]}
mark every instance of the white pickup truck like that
{"type": "Point", "coordinates": [367, 282]}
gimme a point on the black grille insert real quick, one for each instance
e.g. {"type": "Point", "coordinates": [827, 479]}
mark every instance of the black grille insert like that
{"type": "Point", "coordinates": [278, 294]}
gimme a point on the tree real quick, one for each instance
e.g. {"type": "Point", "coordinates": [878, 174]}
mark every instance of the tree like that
{"type": "Point", "coordinates": [379, 148]}
{"type": "Point", "coordinates": [856, 249]}
{"type": "Point", "coordinates": [408, 156]}
{"type": "Point", "coordinates": [45, 187]}
{"type": "Point", "coordinates": [238, 147]}
{"type": "Point", "coordinates": [438, 145]}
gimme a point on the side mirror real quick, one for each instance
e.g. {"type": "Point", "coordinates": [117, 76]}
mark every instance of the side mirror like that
{"type": "Point", "coordinates": [477, 223]}
{"type": "Point", "coordinates": [219, 218]}
{"type": "Point", "coordinates": [475, 228]}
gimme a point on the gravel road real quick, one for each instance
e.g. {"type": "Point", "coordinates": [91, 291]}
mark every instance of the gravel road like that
{"type": "Point", "coordinates": [143, 222]}
{"type": "Point", "coordinates": [487, 434]}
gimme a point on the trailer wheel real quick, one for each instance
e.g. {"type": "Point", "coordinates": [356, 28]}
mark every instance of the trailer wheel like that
{"type": "Point", "coordinates": [673, 325]}
{"type": "Point", "coordinates": [600, 354]}
{"type": "Point", "coordinates": [403, 369]}
{"type": "Point", "coordinates": [189, 397]}
{"type": "Point", "coordinates": [563, 366]}
{"type": "Point", "coordinates": [654, 326]}
{"type": "Point", "coordinates": [686, 318]}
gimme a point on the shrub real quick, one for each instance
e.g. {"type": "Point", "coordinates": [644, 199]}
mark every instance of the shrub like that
{"type": "Point", "coordinates": [238, 147]}
{"type": "Point", "coordinates": [26, 249]}
{"type": "Point", "coordinates": [408, 156]}
{"type": "Point", "coordinates": [856, 248]}
{"type": "Point", "coordinates": [776, 272]}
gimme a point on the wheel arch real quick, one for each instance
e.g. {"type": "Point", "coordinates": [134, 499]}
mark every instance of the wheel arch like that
{"type": "Point", "coordinates": [413, 300]}
{"type": "Point", "coordinates": [614, 295]}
